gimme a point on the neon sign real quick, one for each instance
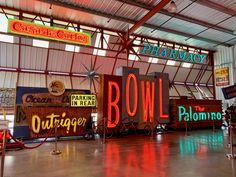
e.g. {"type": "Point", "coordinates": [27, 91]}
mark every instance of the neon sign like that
{"type": "Point", "coordinates": [39, 125]}
{"type": "Point", "coordinates": [169, 53]}
{"type": "Point", "coordinates": [41, 31]}
{"type": "Point", "coordinates": [141, 98]}
{"type": "Point", "coordinates": [196, 115]}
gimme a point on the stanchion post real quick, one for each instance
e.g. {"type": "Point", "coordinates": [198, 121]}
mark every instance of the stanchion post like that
{"type": "Point", "coordinates": [3, 152]}
{"type": "Point", "coordinates": [231, 155]}
{"type": "Point", "coordinates": [231, 140]}
{"type": "Point", "coordinates": [4, 127]}
{"type": "Point", "coordinates": [152, 129]}
{"type": "Point", "coordinates": [56, 151]}
{"type": "Point", "coordinates": [104, 130]}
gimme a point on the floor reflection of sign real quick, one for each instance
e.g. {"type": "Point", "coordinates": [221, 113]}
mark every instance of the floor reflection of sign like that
{"type": "Point", "coordinates": [222, 76]}
{"type": "Point", "coordinates": [85, 100]}
{"type": "Point", "coordinates": [3, 124]}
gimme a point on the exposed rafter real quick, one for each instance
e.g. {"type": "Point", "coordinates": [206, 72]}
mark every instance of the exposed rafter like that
{"type": "Point", "coordinates": [115, 17]}
{"type": "Point", "coordinates": [149, 15]}
{"type": "Point", "coordinates": [179, 16]}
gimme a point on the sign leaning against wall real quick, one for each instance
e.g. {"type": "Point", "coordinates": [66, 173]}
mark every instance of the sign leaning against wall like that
{"type": "Point", "coordinates": [222, 76]}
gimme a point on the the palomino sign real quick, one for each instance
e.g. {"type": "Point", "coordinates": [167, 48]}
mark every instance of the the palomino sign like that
{"type": "Point", "coordinates": [169, 53]}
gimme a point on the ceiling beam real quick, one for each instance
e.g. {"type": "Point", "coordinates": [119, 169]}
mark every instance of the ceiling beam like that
{"type": "Point", "coordinates": [216, 6]}
{"type": "Point", "coordinates": [179, 16]}
{"type": "Point", "coordinates": [127, 20]}
{"type": "Point", "coordinates": [149, 15]}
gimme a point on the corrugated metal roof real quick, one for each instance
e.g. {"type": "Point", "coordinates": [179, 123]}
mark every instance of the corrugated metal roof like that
{"type": "Point", "coordinates": [230, 24]}
{"type": "Point", "coordinates": [204, 13]}
{"type": "Point", "coordinates": [132, 12]}
{"type": "Point", "coordinates": [231, 4]}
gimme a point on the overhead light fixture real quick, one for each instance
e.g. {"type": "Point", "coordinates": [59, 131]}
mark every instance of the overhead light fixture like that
{"type": "Point", "coordinates": [172, 7]}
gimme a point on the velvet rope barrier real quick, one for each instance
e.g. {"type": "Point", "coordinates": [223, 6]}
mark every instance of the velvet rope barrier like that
{"type": "Point", "coordinates": [30, 147]}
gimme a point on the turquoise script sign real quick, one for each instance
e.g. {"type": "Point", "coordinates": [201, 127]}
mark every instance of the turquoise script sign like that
{"type": "Point", "coordinates": [169, 53]}
{"type": "Point", "coordinates": [191, 115]}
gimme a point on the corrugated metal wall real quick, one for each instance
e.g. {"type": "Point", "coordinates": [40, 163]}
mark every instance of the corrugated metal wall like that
{"type": "Point", "coordinates": [225, 57]}
{"type": "Point", "coordinates": [33, 61]}
{"type": "Point", "coordinates": [8, 79]}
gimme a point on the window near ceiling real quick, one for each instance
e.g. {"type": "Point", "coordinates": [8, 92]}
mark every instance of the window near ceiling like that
{"type": "Point", "coordinates": [204, 51]}
{"type": "Point", "coordinates": [70, 47]}
{"type": "Point", "coordinates": [101, 52]}
{"type": "Point", "coordinates": [6, 38]}
{"type": "Point", "coordinates": [87, 28]}
{"type": "Point", "coordinates": [152, 60]}
{"type": "Point", "coordinates": [40, 43]}
{"type": "Point", "coordinates": [4, 22]}
{"type": "Point", "coordinates": [136, 46]}
{"type": "Point", "coordinates": [41, 23]}
{"type": "Point", "coordinates": [3, 28]}
{"type": "Point", "coordinates": [136, 49]}
{"type": "Point", "coordinates": [133, 57]}
{"type": "Point", "coordinates": [186, 65]}
{"type": "Point", "coordinates": [170, 63]}
{"type": "Point", "coordinates": [12, 12]}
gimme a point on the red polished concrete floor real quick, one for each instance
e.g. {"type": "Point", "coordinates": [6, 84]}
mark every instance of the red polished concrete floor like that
{"type": "Point", "coordinates": [202, 154]}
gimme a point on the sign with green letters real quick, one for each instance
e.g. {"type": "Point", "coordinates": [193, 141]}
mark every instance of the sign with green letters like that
{"type": "Point", "coordinates": [184, 56]}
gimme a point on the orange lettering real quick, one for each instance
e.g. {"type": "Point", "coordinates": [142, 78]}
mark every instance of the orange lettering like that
{"type": "Point", "coordinates": [131, 113]}
{"type": "Point", "coordinates": [111, 104]}
{"type": "Point", "coordinates": [162, 115]}
{"type": "Point", "coordinates": [148, 100]}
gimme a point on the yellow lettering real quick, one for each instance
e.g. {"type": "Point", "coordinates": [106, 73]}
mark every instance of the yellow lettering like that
{"type": "Point", "coordinates": [67, 125]}
{"type": "Point", "coordinates": [53, 119]}
{"type": "Point", "coordinates": [73, 123]}
{"type": "Point", "coordinates": [80, 121]}
{"type": "Point", "coordinates": [35, 124]}
{"type": "Point", "coordinates": [84, 121]}
{"type": "Point", "coordinates": [45, 124]}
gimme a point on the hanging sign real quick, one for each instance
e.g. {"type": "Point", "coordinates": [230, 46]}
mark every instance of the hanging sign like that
{"type": "Point", "coordinates": [83, 100]}
{"type": "Point", "coordinates": [222, 76]}
{"type": "Point", "coordinates": [41, 31]}
{"type": "Point", "coordinates": [229, 92]}
{"type": "Point", "coordinates": [170, 53]}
